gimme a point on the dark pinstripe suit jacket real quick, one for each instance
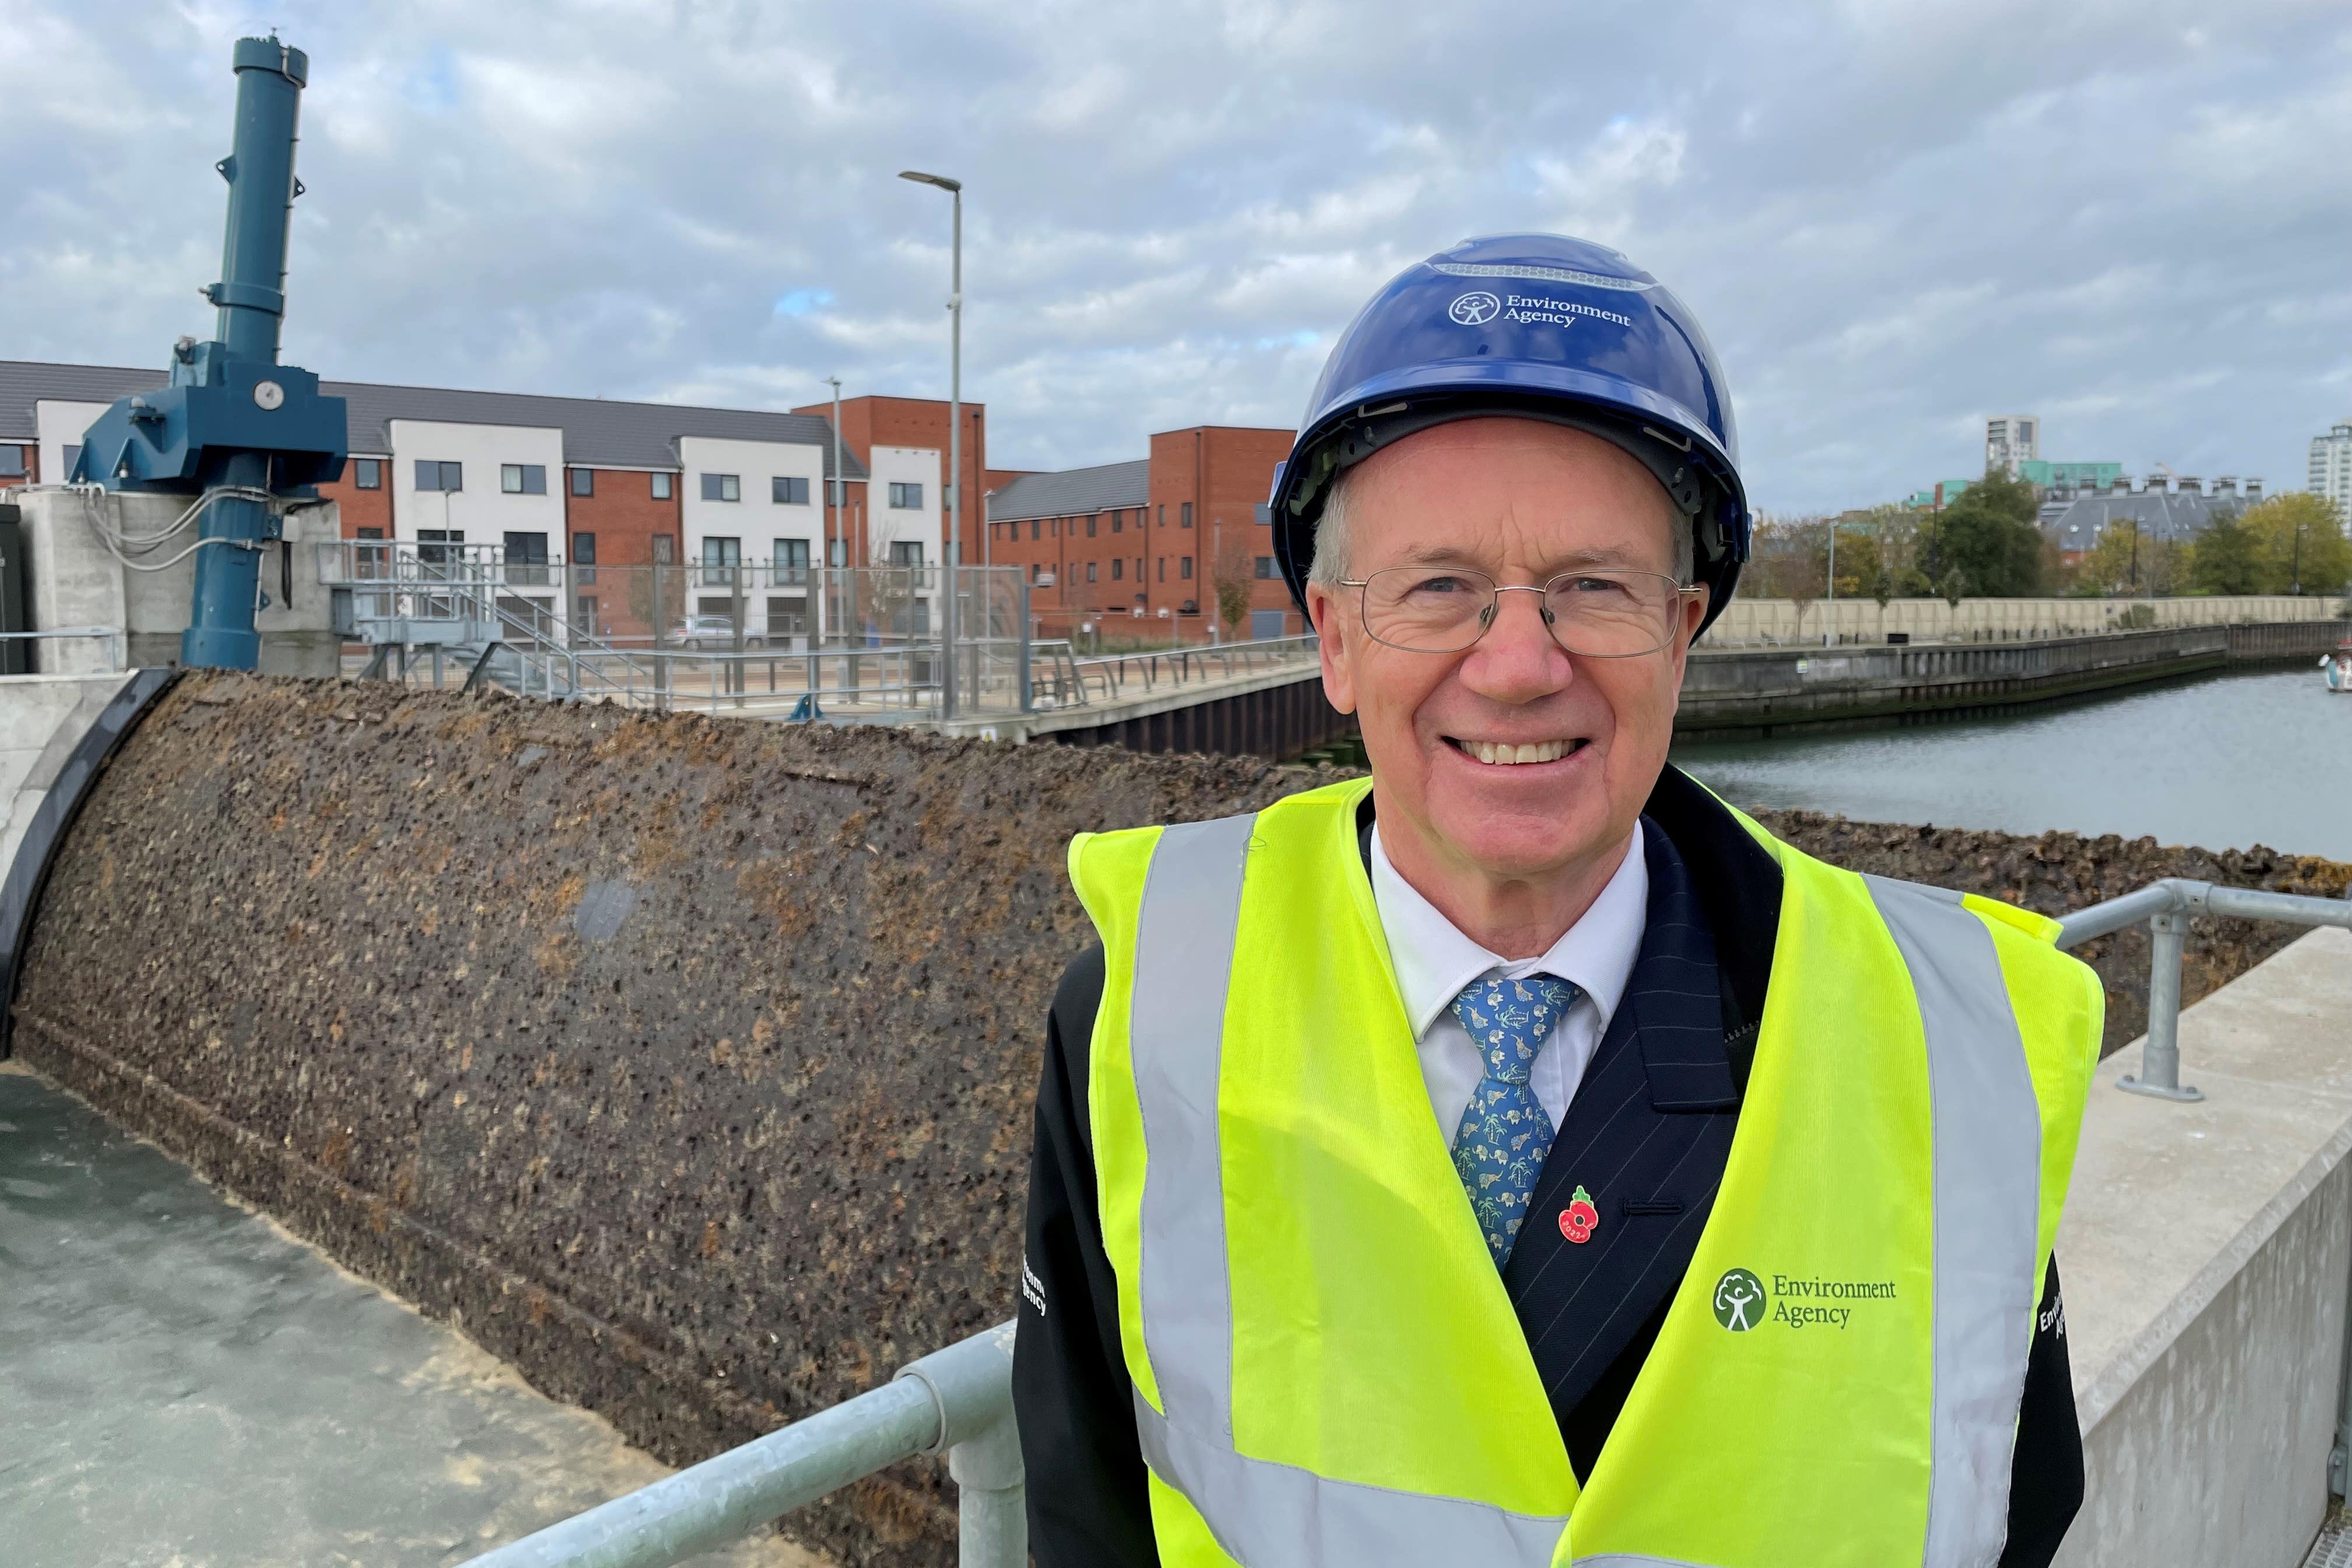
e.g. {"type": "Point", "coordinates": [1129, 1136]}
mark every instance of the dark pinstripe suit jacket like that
{"type": "Point", "coordinates": [1647, 1135]}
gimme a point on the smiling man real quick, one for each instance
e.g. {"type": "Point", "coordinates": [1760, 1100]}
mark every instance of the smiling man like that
{"type": "Point", "coordinates": [1518, 1156]}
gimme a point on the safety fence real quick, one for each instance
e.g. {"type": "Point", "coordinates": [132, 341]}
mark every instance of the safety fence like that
{"type": "Point", "coordinates": [872, 644]}
{"type": "Point", "coordinates": [959, 1401]}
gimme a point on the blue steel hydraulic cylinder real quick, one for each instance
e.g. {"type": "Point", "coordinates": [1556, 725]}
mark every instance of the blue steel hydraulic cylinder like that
{"type": "Point", "coordinates": [251, 296]}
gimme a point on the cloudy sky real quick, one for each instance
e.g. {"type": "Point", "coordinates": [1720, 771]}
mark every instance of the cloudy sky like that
{"type": "Point", "coordinates": [2133, 217]}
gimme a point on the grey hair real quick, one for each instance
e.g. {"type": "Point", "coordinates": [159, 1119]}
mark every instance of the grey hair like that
{"type": "Point", "coordinates": [1331, 563]}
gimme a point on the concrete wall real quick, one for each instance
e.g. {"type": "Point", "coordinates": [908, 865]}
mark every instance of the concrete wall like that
{"type": "Point", "coordinates": [2205, 1252]}
{"type": "Point", "coordinates": [1752, 620]}
{"type": "Point", "coordinates": [42, 718]}
{"type": "Point", "coordinates": [77, 583]}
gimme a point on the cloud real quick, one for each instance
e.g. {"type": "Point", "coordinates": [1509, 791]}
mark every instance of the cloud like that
{"type": "Point", "coordinates": [1892, 219]}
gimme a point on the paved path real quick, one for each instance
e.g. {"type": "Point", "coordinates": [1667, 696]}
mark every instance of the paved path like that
{"type": "Point", "coordinates": [184, 1384]}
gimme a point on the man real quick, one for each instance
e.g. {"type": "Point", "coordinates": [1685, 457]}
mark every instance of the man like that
{"type": "Point", "coordinates": [1519, 1157]}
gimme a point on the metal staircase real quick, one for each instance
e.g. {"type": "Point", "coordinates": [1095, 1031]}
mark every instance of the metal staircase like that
{"type": "Point", "coordinates": [466, 604]}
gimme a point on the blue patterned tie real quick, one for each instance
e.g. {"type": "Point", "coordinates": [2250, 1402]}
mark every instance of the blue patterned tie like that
{"type": "Point", "coordinates": [1504, 1134]}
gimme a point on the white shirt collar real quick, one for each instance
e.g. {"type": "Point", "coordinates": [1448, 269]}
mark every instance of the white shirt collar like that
{"type": "Point", "coordinates": [1434, 960]}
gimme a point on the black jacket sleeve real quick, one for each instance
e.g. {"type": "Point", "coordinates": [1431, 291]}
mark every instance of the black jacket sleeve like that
{"type": "Point", "coordinates": [1089, 1505]}
{"type": "Point", "coordinates": [2045, 1485]}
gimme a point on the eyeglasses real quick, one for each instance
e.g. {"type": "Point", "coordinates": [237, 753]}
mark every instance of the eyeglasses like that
{"type": "Point", "coordinates": [1599, 614]}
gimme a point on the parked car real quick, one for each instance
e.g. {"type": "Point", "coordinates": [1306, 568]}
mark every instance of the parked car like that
{"type": "Point", "coordinates": [700, 632]}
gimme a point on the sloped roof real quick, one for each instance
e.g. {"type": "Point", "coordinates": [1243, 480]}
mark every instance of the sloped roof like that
{"type": "Point", "coordinates": [596, 430]}
{"type": "Point", "coordinates": [1072, 492]}
{"type": "Point", "coordinates": [2160, 515]}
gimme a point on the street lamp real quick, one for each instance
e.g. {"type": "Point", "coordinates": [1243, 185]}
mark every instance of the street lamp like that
{"type": "Point", "coordinates": [954, 188]}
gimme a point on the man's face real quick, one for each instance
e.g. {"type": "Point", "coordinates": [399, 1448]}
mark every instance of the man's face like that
{"type": "Point", "coordinates": [1521, 502]}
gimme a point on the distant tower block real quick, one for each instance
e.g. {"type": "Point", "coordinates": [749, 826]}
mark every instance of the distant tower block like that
{"type": "Point", "coordinates": [2012, 439]}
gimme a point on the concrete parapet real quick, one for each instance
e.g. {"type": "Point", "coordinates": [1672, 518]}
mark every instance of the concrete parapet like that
{"type": "Point", "coordinates": [2205, 1252]}
{"type": "Point", "coordinates": [42, 718]}
{"type": "Point", "coordinates": [78, 582]}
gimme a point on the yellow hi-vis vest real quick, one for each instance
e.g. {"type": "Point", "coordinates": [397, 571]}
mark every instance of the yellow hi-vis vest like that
{"type": "Point", "coordinates": [1327, 1370]}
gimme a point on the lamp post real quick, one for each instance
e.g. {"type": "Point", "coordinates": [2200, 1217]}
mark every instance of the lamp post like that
{"type": "Point", "coordinates": [954, 188]}
{"type": "Point", "coordinates": [1829, 599]}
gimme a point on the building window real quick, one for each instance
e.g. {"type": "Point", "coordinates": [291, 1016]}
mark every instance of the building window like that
{"type": "Point", "coordinates": [1266, 566]}
{"type": "Point", "coordinates": [584, 550]}
{"type": "Point", "coordinates": [432, 475]}
{"type": "Point", "coordinates": [661, 487]}
{"type": "Point", "coordinates": [837, 553]}
{"type": "Point", "coordinates": [790, 558]}
{"type": "Point", "coordinates": [907, 552]}
{"type": "Point", "coordinates": [583, 614]}
{"type": "Point", "coordinates": [722, 486]}
{"type": "Point", "coordinates": [371, 533]}
{"type": "Point", "coordinates": [367, 473]}
{"type": "Point", "coordinates": [71, 454]}
{"type": "Point", "coordinates": [1185, 511]}
{"type": "Point", "coordinates": [1036, 528]}
{"type": "Point", "coordinates": [433, 544]}
{"type": "Point", "coordinates": [718, 550]}
{"type": "Point", "coordinates": [1092, 518]}
{"type": "Point", "coordinates": [1184, 568]}
{"type": "Point", "coordinates": [785, 490]}
{"type": "Point", "coordinates": [1118, 567]}
{"type": "Point", "coordinates": [12, 462]}
{"type": "Point", "coordinates": [584, 483]}
{"type": "Point", "coordinates": [526, 556]}
{"type": "Point", "coordinates": [665, 546]}
{"type": "Point", "coordinates": [906, 497]}
{"type": "Point", "coordinates": [1117, 522]}
{"type": "Point", "coordinates": [1163, 514]}
{"type": "Point", "coordinates": [1091, 570]}
{"type": "Point", "coordinates": [523, 478]}
{"type": "Point", "coordinates": [1163, 569]}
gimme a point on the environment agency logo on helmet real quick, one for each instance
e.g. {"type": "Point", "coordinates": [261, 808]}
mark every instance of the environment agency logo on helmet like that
{"type": "Point", "coordinates": [1739, 1298]}
{"type": "Point", "coordinates": [1475, 309]}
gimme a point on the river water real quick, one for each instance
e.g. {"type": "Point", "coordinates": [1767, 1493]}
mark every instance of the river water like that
{"type": "Point", "coordinates": [2223, 762]}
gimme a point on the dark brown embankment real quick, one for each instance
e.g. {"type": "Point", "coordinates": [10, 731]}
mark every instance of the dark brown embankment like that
{"type": "Point", "coordinates": [687, 1065]}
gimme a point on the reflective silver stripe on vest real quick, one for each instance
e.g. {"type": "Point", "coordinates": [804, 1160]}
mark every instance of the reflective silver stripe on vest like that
{"type": "Point", "coordinates": [1265, 1514]}
{"type": "Point", "coordinates": [1988, 1207]}
{"type": "Point", "coordinates": [1184, 965]}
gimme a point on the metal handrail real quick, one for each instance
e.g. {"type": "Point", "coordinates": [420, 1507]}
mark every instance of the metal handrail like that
{"type": "Point", "coordinates": [2168, 906]}
{"type": "Point", "coordinates": [119, 639]}
{"type": "Point", "coordinates": [957, 1401]}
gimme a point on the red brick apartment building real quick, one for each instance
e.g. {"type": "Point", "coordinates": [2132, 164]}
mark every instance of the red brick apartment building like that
{"type": "Point", "coordinates": [1139, 540]}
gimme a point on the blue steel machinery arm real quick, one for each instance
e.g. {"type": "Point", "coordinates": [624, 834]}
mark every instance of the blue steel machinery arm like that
{"type": "Point", "coordinates": [234, 421]}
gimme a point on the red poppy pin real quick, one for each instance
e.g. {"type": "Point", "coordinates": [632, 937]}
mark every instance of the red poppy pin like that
{"type": "Point", "coordinates": [1580, 1219]}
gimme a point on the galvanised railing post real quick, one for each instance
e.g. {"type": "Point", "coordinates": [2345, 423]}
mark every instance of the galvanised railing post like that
{"type": "Point", "coordinates": [2159, 1057]}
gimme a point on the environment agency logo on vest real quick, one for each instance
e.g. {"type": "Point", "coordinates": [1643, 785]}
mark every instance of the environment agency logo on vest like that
{"type": "Point", "coordinates": [1739, 1298]}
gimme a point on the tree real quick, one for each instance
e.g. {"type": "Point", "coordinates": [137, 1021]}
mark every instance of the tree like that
{"type": "Point", "coordinates": [2298, 544]}
{"type": "Point", "coordinates": [2126, 559]}
{"type": "Point", "coordinates": [2226, 559]}
{"type": "Point", "coordinates": [1991, 536]}
{"type": "Point", "coordinates": [1234, 585]}
{"type": "Point", "coordinates": [1791, 560]}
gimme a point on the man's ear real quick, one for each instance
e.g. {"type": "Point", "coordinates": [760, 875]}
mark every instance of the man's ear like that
{"type": "Point", "coordinates": [1329, 612]}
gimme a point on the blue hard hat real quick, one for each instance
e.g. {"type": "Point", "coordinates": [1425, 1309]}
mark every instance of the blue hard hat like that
{"type": "Point", "coordinates": [1538, 326]}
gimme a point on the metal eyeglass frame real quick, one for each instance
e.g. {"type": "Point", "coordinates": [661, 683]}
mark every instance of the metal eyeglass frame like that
{"type": "Point", "coordinates": [1682, 592]}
